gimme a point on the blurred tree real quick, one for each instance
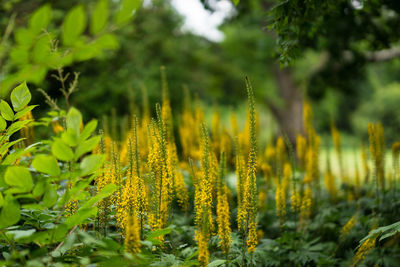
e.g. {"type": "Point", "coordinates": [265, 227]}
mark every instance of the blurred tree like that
{"type": "Point", "coordinates": [346, 36]}
{"type": "Point", "coordinates": [247, 32]}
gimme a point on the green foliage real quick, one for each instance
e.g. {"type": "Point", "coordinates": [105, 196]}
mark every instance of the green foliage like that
{"type": "Point", "coordinates": [33, 200]}
{"type": "Point", "coordinates": [35, 49]}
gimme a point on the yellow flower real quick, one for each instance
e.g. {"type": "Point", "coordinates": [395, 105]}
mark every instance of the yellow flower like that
{"type": "Point", "coordinates": [223, 220]}
{"type": "Point", "coordinates": [366, 247]}
{"type": "Point", "coordinates": [280, 200]}
{"type": "Point", "coordinates": [301, 146]}
{"type": "Point", "coordinates": [345, 231]}
{"type": "Point", "coordinates": [305, 210]}
{"type": "Point", "coordinates": [252, 239]}
{"type": "Point", "coordinates": [27, 131]}
{"type": "Point", "coordinates": [132, 235]}
{"type": "Point", "coordinates": [330, 184]}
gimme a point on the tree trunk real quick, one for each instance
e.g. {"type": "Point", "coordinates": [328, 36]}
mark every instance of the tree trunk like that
{"type": "Point", "coordinates": [289, 115]}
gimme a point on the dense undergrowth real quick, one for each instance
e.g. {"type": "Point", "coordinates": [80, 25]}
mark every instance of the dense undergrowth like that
{"type": "Point", "coordinates": [175, 191]}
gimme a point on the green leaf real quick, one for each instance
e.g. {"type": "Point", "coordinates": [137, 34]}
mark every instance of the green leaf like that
{"type": "Point", "coordinates": [18, 234]}
{"type": "Point", "coordinates": [86, 146]}
{"type": "Point", "coordinates": [73, 25]}
{"type": "Point", "coordinates": [105, 192]}
{"type": "Point", "coordinates": [88, 130]}
{"type": "Point", "coordinates": [3, 124]}
{"type": "Point", "coordinates": [19, 177]}
{"type": "Point", "coordinates": [16, 126]}
{"type": "Point", "coordinates": [74, 120]}
{"type": "Point", "coordinates": [80, 216]}
{"type": "Point", "coordinates": [235, 2]}
{"type": "Point", "coordinates": [158, 233]}
{"type": "Point", "coordinates": [99, 17]}
{"type": "Point", "coordinates": [40, 19]}
{"type": "Point", "coordinates": [46, 164]}
{"type": "Point", "coordinates": [4, 148]}
{"type": "Point", "coordinates": [91, 163]}
{"type": "Point", "coordinates": [6, 111]}
{"type": "Point", "coordinates": [216, 263]}
{"type": "Point", "coordinates": [20, 97]}
{"type": "Point", "coordinates": [126, 11]}
{"type": "Point", "coordinates": [61, 151]}
{"type": "Point", "coordinates": [24, 111]}
{"type": "Point", "coordinates": [10, 213]}
{"type": "Point", "coordinates": [12, 157]}
{"type": "Point", "coordinates": [1, 200]}
{"type": "Point", "coordinates": [70, 137]}
{"type": "Point", "coordinates": [39, 188]}
{"type": "Point", "coordinates": [50, 196]}
{"type": "Point", "coordinates": [42, 53]}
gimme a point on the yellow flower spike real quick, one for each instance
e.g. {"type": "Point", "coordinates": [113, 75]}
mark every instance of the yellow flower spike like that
{"type": "Point", "coordinates": [377, 150]}
{"type": "Point", "coordinates": [330, 185]}
{"type": "Point", "coordinates": [366, 247]}
{"type": "Point", "coordinates": [223, 211]}
{"type": "Point", "coordinates": [281, 152]}
{"type": "Point", "coordinates": [181, 191]}
{"type": "Point", "coordinates": [247, 215]}
{"type": "Point", "coordinates": [267, 170]}
{"type": "Point", "coordinates": [301, 148]}
{"type": "Point", "coordinates": [287, 176]}
{"type": "Point", "coordinates": [280, 202]}
{"type": "Point", "coordinates": [364, 159]}
{"type": "Point", "coordinates": [203, 201]}
{"type": "Point", "coordinates": [132, 235]}
{"type": "Point", "coordinates": [345, 231]}
{"type": "Point", "coordinates": [305, 209]}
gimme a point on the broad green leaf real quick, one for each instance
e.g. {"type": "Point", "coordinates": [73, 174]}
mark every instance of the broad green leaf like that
{"type": "Point", "coordinates": [16, 126]}
{"type": "Point", "coordinates": [23, 112]}
{"type": "Point", "coordinates": [46, 164]}
{"type": "Point", "coordinates": [6, 111]}
{"type": "Point", "coordinates": [235, 2]}
{"type": "Point", "coordinates": [20, 177]}
{"type": "Point", "coordinates": [158, 233]}
{"type": "Point", "coordinates": [3, 124]}
{"type": "Point", "coordinates": [50, 196]}
{"type": "Point", "coordinates": [18, 234]}
{"type": "Point", "coordinates": [70, 137]}
{"type": "Point", "coordinates": [80, 216]}
{"type": "Point", "coordinates": [216, 263]}
{"type": "Point", "coordinates": [61, 151]}
{"type": "Point", "coordinates": [42, 53]}
{"type": "Point", "coordinates": [126, 11]}
{"type": "Point", "coordinates": [13, 157]}
{"type": "Point", "coordinates": [106, 42]}
{"type": "Point", "coordinates": [91, 163]}
{"type": "Point", "coordinates": [1, 200]}
{"type": "Point", "coordinates": [24, 37]}
{"type": "Point", "coordinates": [50, 236]}
{"type": "Point", "coordinates": [88, 129]}
{"type": "Point", "coordinates": [73, 25]}
{"type": "Point", "coordinates": [105, 192]}
{"type": "Point", "coordinates": [39, 188]}
{"type": "Point", "coordinates": [86, 146]}
{"type": "Point", "coordinates": [20, 97]}
{"type": "Point", "coordinates": [74, 120]}
{"type": "Point", "coordinates": [40, 19]}
{"type": "Point", "coordinates": [99, 17]}
{"type": "Point", "coordinates": [4, 148]}
{"type": "Point", "coordinates": [10, 213]}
